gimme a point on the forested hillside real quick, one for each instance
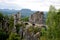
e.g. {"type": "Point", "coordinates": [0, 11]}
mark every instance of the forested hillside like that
{"type": "Point", "coordinates": [24, 31]}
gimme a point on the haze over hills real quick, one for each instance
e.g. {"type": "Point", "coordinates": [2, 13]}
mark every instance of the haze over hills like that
{"type": "Point", "coordinates": [24, 12]}
{"type": "Point", "coordinates": [7, 11]}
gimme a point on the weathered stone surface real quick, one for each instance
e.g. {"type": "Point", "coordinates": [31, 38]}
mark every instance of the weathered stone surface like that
{"type": "Point", "coordinates": [17, 18]}
{"type": "Point", "coordinates": [37, 17]}
{"type": "Point", "coordinates": [31, 36]}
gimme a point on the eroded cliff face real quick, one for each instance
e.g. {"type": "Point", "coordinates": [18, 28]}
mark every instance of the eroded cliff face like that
{"type": "Point", "coordinates": [37, 17]}
{"type": "Point", "coordinates": [17, 18]}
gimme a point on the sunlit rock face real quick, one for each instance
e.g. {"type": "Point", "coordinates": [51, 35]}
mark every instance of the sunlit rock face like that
{"type": "Point", "coordinates": [37, 18]}
{"type": "Point", "coordinates": [17, 18]}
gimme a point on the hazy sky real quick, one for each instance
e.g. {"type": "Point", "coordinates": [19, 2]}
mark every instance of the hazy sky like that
{"type": "Point", "coordinates": [41, 5]}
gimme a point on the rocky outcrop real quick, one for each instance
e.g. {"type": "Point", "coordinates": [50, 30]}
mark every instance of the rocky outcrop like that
{"type": "Point", "coordinates": [17, 18]}
{"type": "Point", "coordinates": [37, 18]}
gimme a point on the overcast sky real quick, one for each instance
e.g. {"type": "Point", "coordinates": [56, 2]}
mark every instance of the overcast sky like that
{"type": "Point", "coordinates": [39, 5]}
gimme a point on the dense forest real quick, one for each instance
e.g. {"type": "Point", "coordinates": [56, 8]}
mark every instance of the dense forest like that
{"type": "Point", "coordinates": [51, 32]}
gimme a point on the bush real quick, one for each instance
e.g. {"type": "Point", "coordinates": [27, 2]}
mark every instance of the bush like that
{"type": "Point", "coordinates": [14, 36]}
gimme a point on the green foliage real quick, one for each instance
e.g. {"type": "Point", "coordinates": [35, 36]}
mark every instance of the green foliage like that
{"type": "Point", "coordinates": [43, 31]}
{"type": "Point", "coordinates": [1, 17]}
{"type": "Point", "coordinates": [57, 24]}
{"type": "Point", "coordinates": [14, 36]}
{"type": "Point", "coordinates": [53, 23]}
{"type": "Point", "coordinates": [25, 19]}
{"type": "Point", "coordinates": [30, 29]}
{"type": "Point", "coordinates": [36, 29]}
{"type": "Point", "coordinates": [6, 17]}
{"type": "Point", "coordinates": [3, 35]}
{"type": "Point", "coordinates": [11, 23]}
{"type": "Point", "coordinates": [18, 27]}
{"type": "Point", "coordinates": [53, 20]}
{"type": "Point", "coordinates": [50, 16]}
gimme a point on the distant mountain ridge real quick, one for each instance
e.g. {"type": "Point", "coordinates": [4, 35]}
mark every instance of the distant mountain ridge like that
{"type": "Point", "coordinates": [24, 12]}
{"type": "Point", "coordinates": [7, 11]}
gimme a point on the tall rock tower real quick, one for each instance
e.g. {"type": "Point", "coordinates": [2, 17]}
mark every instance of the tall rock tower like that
{"type": "Point", "coordinates": [37, 18]}
{"type": "Point", "coordinates": [17, 18]}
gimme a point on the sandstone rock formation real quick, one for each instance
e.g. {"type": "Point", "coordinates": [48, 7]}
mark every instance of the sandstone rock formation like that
{"type": "Point", "coordinates": [37, 18]}
{"type": "Point", "coordinates": [17, 18]}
